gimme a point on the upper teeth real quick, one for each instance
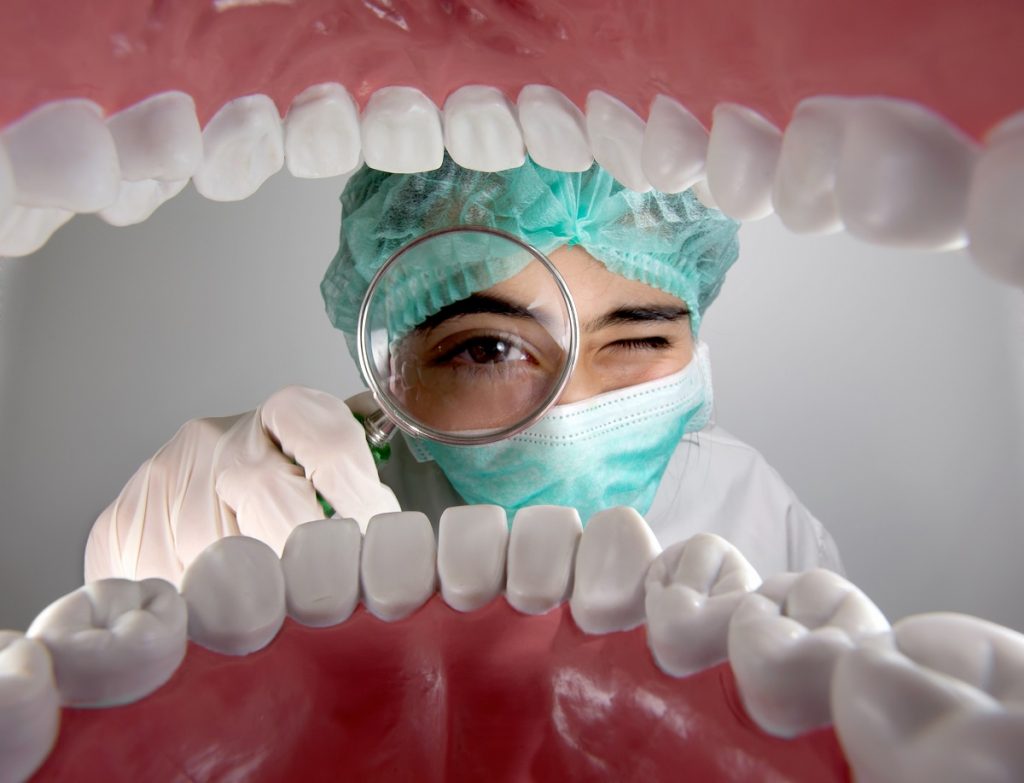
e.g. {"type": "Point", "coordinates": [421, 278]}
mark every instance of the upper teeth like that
{"type": "Point", "coordinates": [29, 706]}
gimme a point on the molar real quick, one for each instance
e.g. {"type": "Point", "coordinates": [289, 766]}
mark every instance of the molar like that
{"type": "Point", "coordinates": [320, 563]}
{"type": "Point", "coordinates": [158, 138]}
{"type": "Point", "coordinates": [616, 138]}
{"type": "Point", "coordinates": [615, 551]}
{"type": "Point", "coordinates": [29, 706]}
{"type": "Point", "coordinates": [401, 130]}
{"type": "Point", "coordinates": [675, 147]}
{"type": "Point", "coordinates": [321, 132]}
{"type": "Point", "coordinates": [243, 146]}
{"type": "Point", "coordinates": [743, 150]}
{"type": "Point", "coordinates": [113, 641]}
{"type": "Point", "coordinates": [235, 595]}
{"type": "Point", "coordinates": [471, 546]}
{"type": "Point", "coordinates": [554, 129]}
{"type": "Point", "coordinates": [480, 129]}
{"type": "Point", "coordinates": [399, 564]}
{"type": "Point", "coordinates": [693, 588]}
{"type": "Point", "coordinates": [541, 554]}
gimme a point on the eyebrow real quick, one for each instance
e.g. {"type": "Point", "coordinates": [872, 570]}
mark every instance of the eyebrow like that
{"type": "Point", "coordinates": [472, 305]}
{"type": "Point", "coordinates": [637, 315]}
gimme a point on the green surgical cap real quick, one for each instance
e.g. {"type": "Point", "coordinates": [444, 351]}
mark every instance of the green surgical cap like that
{"type": "Point", "coordinates": [669, 241]}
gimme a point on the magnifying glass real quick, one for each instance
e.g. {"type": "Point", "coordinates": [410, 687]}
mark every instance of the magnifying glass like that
{"type": "Point", "coordinates": [466, 336]}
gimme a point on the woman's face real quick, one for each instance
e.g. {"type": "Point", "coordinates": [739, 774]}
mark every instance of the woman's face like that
{"type": "Point", "coordinates": [486, 363]}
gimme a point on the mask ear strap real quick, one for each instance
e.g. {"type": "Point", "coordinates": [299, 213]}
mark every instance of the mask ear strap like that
{"type": "Point", "coordinates": [417, 448]}
{"type": "Point", "coordinates": [705, 416]}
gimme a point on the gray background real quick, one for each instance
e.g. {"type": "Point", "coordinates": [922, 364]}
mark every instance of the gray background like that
{"type": "Point", "coordinates": [887, 387]}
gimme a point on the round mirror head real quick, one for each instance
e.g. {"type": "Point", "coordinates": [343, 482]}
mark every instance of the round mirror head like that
{"type": "Point", "coordinates": [467, 336]}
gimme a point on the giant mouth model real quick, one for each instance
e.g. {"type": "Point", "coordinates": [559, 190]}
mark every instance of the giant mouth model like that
{"type": "Point", "coordinates": [111, 124]}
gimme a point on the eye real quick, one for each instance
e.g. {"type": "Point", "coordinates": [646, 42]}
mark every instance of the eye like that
{"type": "Point", "coordinates": [481, 350]}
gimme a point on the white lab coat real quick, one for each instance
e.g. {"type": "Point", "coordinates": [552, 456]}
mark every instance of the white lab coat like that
{"type": "Point", "coordinates": [714, 483]}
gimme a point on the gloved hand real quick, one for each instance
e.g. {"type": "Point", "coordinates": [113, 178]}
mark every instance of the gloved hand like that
{"type": "Point", "coordinates": [256, 474]}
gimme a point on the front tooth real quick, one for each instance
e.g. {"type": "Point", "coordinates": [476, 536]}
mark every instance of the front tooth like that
{"type": "Point", "coordinates": [471, 544]}
{"type": "Point", "coordinates": [321, 132]}
{"type": "Point", "coordinates": [158, 138]}
{"type": "Point", "coordinates": [26, 229]}
{"type": "Point", "coordinates": [903, 176]}
{"type": "Point", "coordinates": [675, 147]}
{"type": "Point", "coordinates": [29, 706]}
{"type": "Point", "coordinates": [784, 641]}
{"type": "Point", "coordinates": [743, 150]}
{"type": "Point", "coordinates": [616, 138]}
{"type": "Point", "coordinates": [320, 563]}
{"type": "Point", "coordinates": [243, 146]}
{"type": "Point", "coordinates": [399, 564]}
{"type": "Point", "coordinates": [235, 595]}
{"type": "Point", "coordinates": [401, 131]}
{"type": "Point", "coordinates": [804, 191]}
{"type": "Point", "coordinates": [693, 588]}
{"type": "Point", "coordinates": [541, 553]}
{"type": "Point", "coordinates": [554, 129]}
{"type": "Point", "coordinates": [615, 551]}
{"type": "Point", "coordinates": [480, 129]}
{"type": "Point", "coordinates": [138, 200]}
{"type": "Point", "coordinates": [994, 205]}
{"type": "Point", "coordinates": [113, 641]}
{"type": "Point", "coordinates": [63, 156]}
{"type": "Point", "coordinates": [939, 699]}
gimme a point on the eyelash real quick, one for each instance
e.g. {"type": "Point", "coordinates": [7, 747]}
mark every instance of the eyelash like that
{"type": "Point", "coordinates": [644, 344]}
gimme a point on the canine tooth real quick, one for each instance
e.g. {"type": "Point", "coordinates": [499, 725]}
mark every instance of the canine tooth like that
{"type": "Point", "coordinates": [26, 229]}
{"type": "Point", "coordinates": [399, 564]}
{"type": "Point", "coordinates": [804, 191]}
{"type": "Point", "coordinates": [471, 544]}
{"type": "Point", "coordinates": [743, 150]}
{"type": "Point", "coordinates": [401, 131]}
{"type": "Point", "coordinates": [29, 706]}
{"type": "Point", "coordinates": [320, 563]}
{"type": "Point", "coordinates": [243, 146]}
{"type": "Point", "coordinates": [675, 147]}
{"type": "Point", "coordinates": [235, 595]}
{"type": "Point", "coordinates": [158, 138]}
{"type": "Point", "coordinates": [62, 156]}
{"type": "Point", "coordinates": [693, 588]}
{"type": "Point", "coordinates": [554, 129]}
{"type": "Point", "coordinates": [615, 551]}
{"type": "Point", "coordinates": [994, 205]}
{"type": "Point", "coordinates": [939, 699]}
{"type": "Point", "coordinates": [113, 641]}
{"type": "Point", "coordinates": [321, 132]}
{"type": "Point", "coordinates": [784, 641]}
{"type": "Point", "coordinates": [480, 129]}
{"type": "Point", "coordinates": [541, 554]}
{"type": "Point", "coordinates": [616, 138]}
{"type": "Point", "coordinates": [140, 199]}
{"type": "Point", "coordinates": [903, 176]}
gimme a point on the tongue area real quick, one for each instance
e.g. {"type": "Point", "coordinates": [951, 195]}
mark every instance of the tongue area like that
{"type": "Point", "coordinates": [440, 696]}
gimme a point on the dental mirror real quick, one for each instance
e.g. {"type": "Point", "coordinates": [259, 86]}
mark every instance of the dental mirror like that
{"type": "Point", "coordinates": [466, 336]}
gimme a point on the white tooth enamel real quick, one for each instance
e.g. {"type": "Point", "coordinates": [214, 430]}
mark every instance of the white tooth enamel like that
{"type": "Point", "coordinates": [6, 184]}
{"type": "Point", "coordinates": [320, 562]}
{"type": "Point", "coordinates": [138, 200]}
{"type": "Point", "coordinates": [940, 699]}
{"type": "Point", "coordinates": [675, 147]}
{"type": "Point", "coordinates": [480, 129]}
{"type": "Point", "coordinates": [243, 146]}
{"type": "Point", "coordinates": [784, 641]}
{"type": "Point", "coordinates": [541, 555]}
{"type": "Point", "coordinates": [29, 706]}
{"type": "Point", "coordinates": [113, 641]}
{"type": "Point", "coordinates": [903, 176]}
{"type": "Point", "coordinates": [805, 180]}
{"type": "Point", "coordinates": [994, 222]}
{"type": "Point", "coordinates": [399, 564]}
{"type": "Point", "coordinates": [743, 150]}
{"type": "Point", "coordinates": [693, 588]}
{"type": "Point", "coordinates": [62, 156]}
{"type": "Point", "coordinates": [26, 229]}
{"type": "Point", "coordinates": [554, 129]}
{"type": "Point", "coordinates": [158, 138]}
{"type": "Point", "coordinates": [235, 595]}
{"type": "Point", "coordinates": [616, 135]}
{"type": "Point", "coordinates": [401, 131]}
{"type": "Point", "coordinates": [703, 194]}
{"type": "Point", "coordinates": [471, 544]}
{"type": "Point", "coordinates": [615, 551]}
{"type": "Point", "coordinates": [321, 132]}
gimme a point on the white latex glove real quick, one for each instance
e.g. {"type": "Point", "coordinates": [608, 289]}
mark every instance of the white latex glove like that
{"type": "Point", "coordinates": [236, 475]}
